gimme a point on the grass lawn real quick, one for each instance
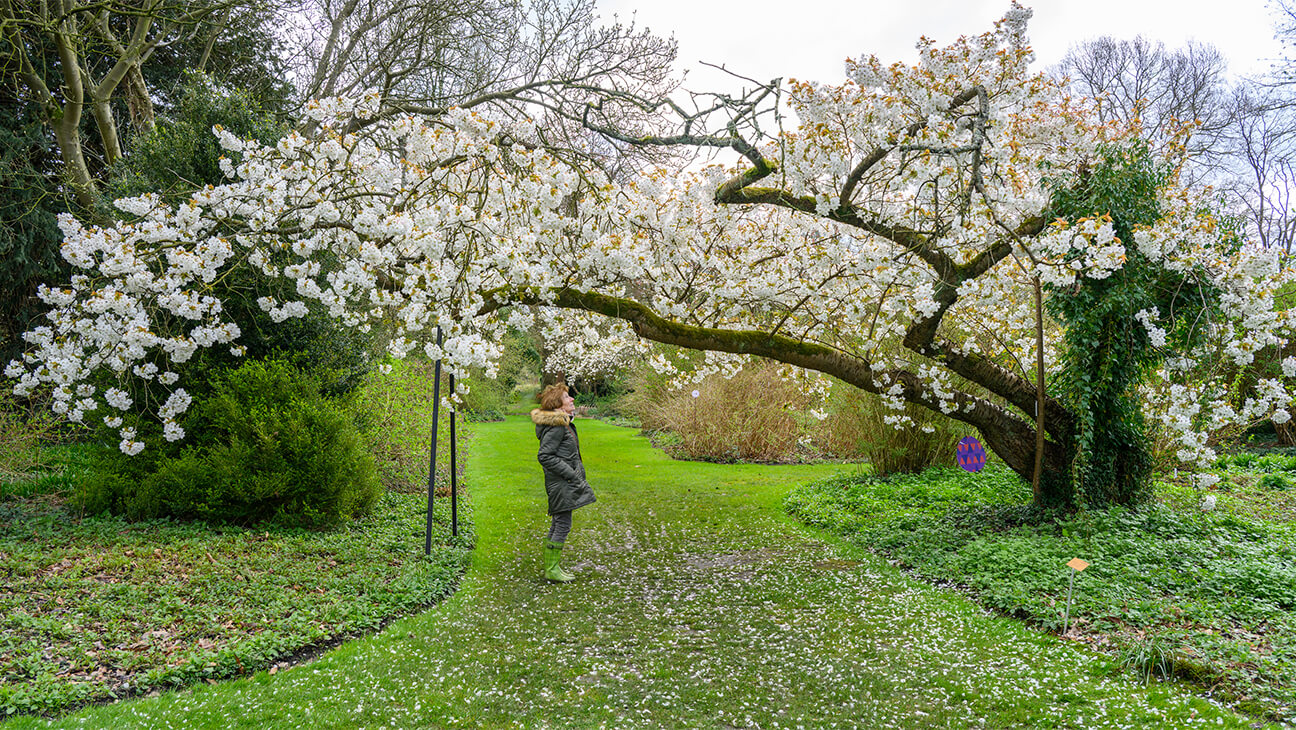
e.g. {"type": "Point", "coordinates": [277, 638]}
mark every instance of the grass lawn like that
{"type": "Point", "coordinates": [699, 603]}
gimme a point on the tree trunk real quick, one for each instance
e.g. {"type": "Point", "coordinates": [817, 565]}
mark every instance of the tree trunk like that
{"type": "Point", "coordinates": [65, 117]}
{"type": "Point", "coordinates": [82, 184]}
{"type": "Point", "coordinates": [138, 102]}
{"type": "Point", "coordinates": [107, 126]}
{"type": "Point", "coordinates": [1286, 433]}
{"type": "Point", "coordinates": [548, 377]}
{"type": "Point", "coordinates": [1018, 452]}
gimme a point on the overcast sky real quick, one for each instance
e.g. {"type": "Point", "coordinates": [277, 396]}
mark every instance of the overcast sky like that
{"type": "Point", "coordinates": [809, 39]}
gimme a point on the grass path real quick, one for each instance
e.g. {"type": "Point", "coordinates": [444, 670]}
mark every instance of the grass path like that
{"type": "Point", "coordinates": [699, 604]}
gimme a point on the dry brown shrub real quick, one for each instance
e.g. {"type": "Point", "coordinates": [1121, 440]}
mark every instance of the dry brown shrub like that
{"type": "Point", "coordinates": [855, 429]}
{"type": "Point", "coordinates": [648, 390]}
{"type": "Point", "coordinates": [757, 416]}
{"type": "Point", "coordinates": [753, 416]}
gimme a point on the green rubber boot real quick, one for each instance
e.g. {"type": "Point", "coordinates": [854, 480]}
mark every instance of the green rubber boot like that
{"type": "Point", "coordinates": [552, 558]}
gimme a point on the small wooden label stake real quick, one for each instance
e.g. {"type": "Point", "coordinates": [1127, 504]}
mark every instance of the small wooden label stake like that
{"type": "Point", "coordinates": [1076, 565]}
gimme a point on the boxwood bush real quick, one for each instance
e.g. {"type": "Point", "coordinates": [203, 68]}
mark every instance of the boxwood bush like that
{"type": "Point", "coordinates": [264, 446]}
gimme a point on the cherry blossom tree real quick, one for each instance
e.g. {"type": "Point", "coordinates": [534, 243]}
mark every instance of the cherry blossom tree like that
{"type": "Point", "coordinates": [900, 239]}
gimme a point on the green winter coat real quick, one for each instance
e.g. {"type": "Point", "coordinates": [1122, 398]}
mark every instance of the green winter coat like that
{"type": "Point", "coordinates": [565, 481]}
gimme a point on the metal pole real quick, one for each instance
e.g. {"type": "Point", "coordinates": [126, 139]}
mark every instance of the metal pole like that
{"type": "Point", "coordinates": [454, 473]}
{"type": "Point", "coordinates": [436, 412]}
{"type": "Point", "coordinates": [1039, 368]}
{"type": "Point", "coordinates": [1039, 390]}
{"type": "Point", "coordinates": [1066, 620]}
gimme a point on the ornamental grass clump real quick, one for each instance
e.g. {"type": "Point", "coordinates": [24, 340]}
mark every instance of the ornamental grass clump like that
{"type": "Point", "coordinates": [857, 426]}
{"type": "Point", "coordinates": [266, 446]}
{"type": "Point", "coordinates": [22, 432]}
{"type": "Point", "coordinates": [758, 415]}
{"type": "Point", "coordinates": [755, 415]}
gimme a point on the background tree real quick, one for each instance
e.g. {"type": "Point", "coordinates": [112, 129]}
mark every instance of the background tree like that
{"type": "Point", "coordinates": [1164, 93]}
{"type": "Point", "coordinates": [524, 60]}
{"type": "Point", "coordinates": [1237, 134]}
{"type": "Point", "coordinates": [1262, 140]}
{"type": "Point", "coordinates": [70, 57]}
{"type": "Point", "coordinates": [240, 46]}
{"type": "Point", "coordinates": [58, 60]}
{"type": "Point", "coordinates": [29, 208]}
{"type": "Point", "coordinates": [1285, 24]}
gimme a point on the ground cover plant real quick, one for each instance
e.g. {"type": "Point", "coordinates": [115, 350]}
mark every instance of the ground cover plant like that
{"type": "Point", "coordinates": [103, 608]}
{"type": "Point", "coordinates": [698, 603]}
{"type": "Point", "coordinates": [1259, 487]}
{"type": "Point", "coordinates": [1172, 590]}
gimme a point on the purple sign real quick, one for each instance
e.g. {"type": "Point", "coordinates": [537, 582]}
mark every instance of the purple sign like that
{"type": "Point", "coordinates": [971, 455]}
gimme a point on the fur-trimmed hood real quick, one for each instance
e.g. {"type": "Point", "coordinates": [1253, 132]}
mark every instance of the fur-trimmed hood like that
{"type": "Point", "coordinates": [549, 418]}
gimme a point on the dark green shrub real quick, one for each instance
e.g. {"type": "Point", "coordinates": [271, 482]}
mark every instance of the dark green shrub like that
{"type": "Point", "coordinates": [607, 405]}
{"type": "Point", "coordinates": [30, 201]}
{"type": "Point", "coordinates": [489, 415]}
{"type": "Point", "coordinates": [265, 445]}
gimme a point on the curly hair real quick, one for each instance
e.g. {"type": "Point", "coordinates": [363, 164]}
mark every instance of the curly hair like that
{"type": "Point", "coordinates": [551, 398]}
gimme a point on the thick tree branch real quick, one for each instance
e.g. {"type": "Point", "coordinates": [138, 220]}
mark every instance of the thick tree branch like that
{"type": "Point", "coordinates": [741, 189]}
{"type": "Point", "coordinates": [1004, 431]}
{"type": "Point", "coordinates": [921, 336]}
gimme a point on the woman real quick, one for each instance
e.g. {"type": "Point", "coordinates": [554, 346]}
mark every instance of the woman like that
{"type": "Point", "coordinates": [564, 473]}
